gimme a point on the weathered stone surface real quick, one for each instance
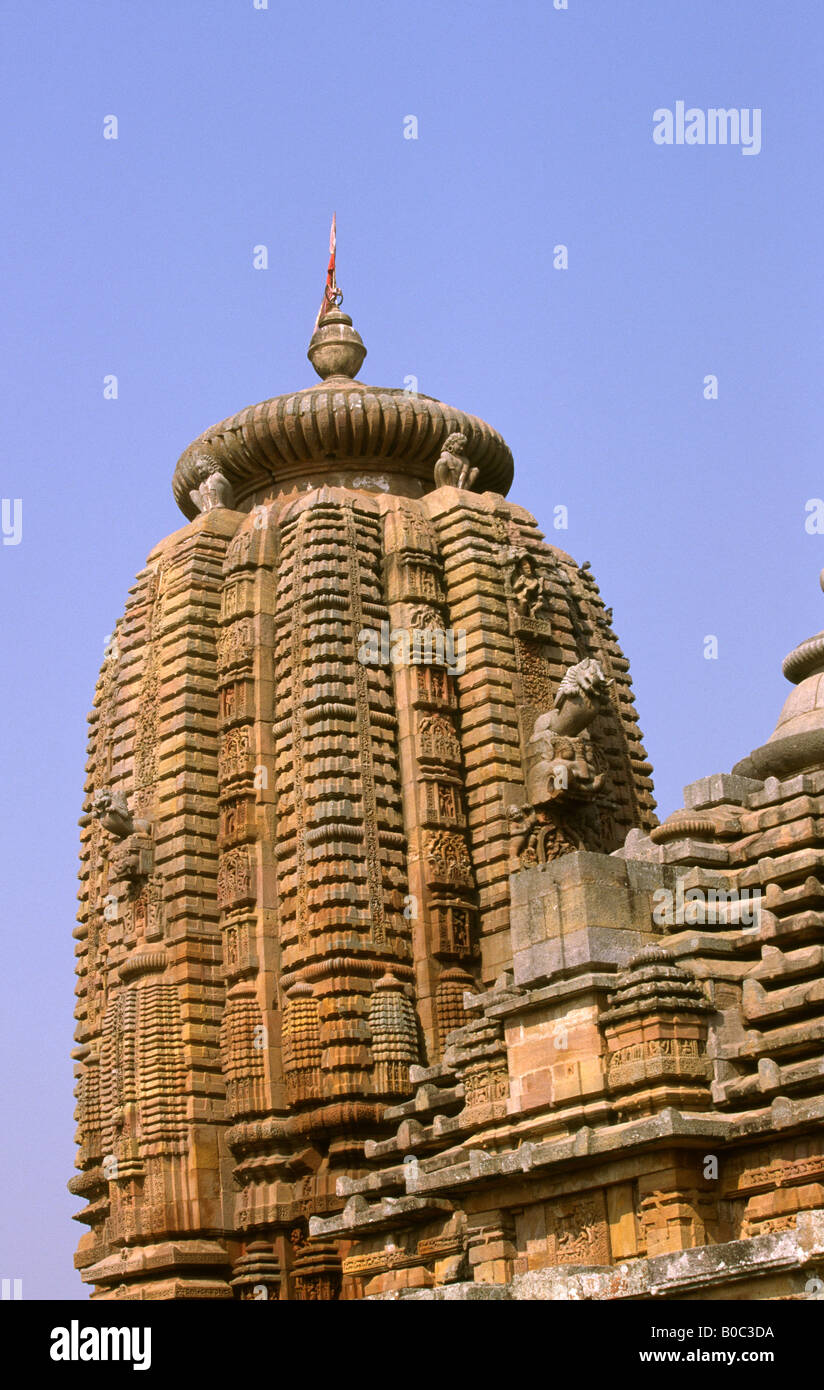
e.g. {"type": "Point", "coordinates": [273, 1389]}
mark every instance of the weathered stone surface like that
{"type": "Point", "coordinates": [389, 984]}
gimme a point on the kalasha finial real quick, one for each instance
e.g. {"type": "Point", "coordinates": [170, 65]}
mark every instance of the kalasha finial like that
{"type": "Point", "coordinates": [336, 349]}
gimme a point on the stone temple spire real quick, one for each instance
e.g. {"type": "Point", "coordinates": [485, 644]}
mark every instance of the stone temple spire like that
{"type": "Point", "coordinates": [319, 757]}
{"type": "Point", "coordinates": [388, 980]}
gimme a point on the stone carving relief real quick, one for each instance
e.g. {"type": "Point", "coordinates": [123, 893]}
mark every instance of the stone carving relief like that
{"type": "Point", "coordinates": [438, 739]}
{"type": "Point", "coordinates": [453, 468]}
{"type": "Point", "coordinates": [577, 1233]}
{"type": "Point", "coordinates": [130, 866]}
{"type": "Point", "coordinates": [236, 820]}
{"type": "Point", "coordinates": [486, 1083]}
{"type": "Point", "coordinates": [446, 858]}
{"type": "Point", "coordinates": [443, 801]}
{"type": "Point", "coordinates": [236, 645]}
{"type": "Point", "coordinates": [422, 616]}
{"type": "Point", "coordinates": [234, 879]}
{"type": "Point", "coordinates": [453, 920]}
{"type": "Point", "coordinates": [213, 490]}
{"type": "Point", "coordinates": [408, 530]}
{"type": "Point", "coordinates": [433, 685]}
{"type": "Point", "coordinates": [235, 756]}
{"type": "Point", "coordinates": [527, 585]}
{"type": "Point", "coordinates": [564, 771]}
{"type": "Point", "coordinates": [146, 910]}
{"type": "Point", "coordinates": [533, 668]}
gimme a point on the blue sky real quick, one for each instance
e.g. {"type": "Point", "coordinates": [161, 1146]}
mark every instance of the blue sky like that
{"type": "Point", "coordinates": [239, 127]}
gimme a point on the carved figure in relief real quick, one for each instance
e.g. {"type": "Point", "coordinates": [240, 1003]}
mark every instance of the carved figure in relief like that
{"type": "Point", "coordinates": [575, 1232]}
{"type": "Point", "coordinates": [559, 762]}
{"type": "Point", "coordinates": [438, 737]}
{"type": "Point", "coordinates": [529, 588]}
{"type": "Point", "coordinates": [538, 835]}
{"type": "Point", "coordinates": [560, 768]}
{"type": "Point", "coordinates": [238, 552]}
{"type": "Point", "coordinates": [112, 810]}
{"type": "Point", "coordinates": [235, 645]}
{"type": "Point", "coordinates": [234, 757]}
{"type": "Point", "coordinates": [214, 489]}
{"type": "Point", "coordinates": [453, 469]}
{"type": "Point", "coordinates": [411, 531]}
{"type": "Point", "coordinates": [234, 878]}
{"type": "Point", "coordinates": [447, 858]}
{"type": "Point", "coordinates": [564, 772]}
{"type": "Point", "coordinates": [423, 616]}
{"type": "Point", "coordinates": [131, 856]}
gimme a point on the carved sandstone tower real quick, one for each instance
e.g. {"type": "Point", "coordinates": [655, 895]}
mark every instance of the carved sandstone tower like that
{"type": "Point", "coordinates": [345, 700]}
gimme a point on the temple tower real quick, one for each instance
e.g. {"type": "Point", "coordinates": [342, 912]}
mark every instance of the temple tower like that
{"type": "Point", "coordinates": [346, 700]}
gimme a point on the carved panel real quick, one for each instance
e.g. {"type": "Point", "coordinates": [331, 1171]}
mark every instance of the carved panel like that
{"type": "Point", "coordinates": [446, 859]}
{"type": "Point", "coordinates": [236, 757]}
{"type": "Point", "coordinates": [235, 880]}
{"type": "Point", "coordinates": [577, 1232]}
{"type": "Point", "coordinates": [236, 645]}
{"type": "Point", "coordinates": [438, 739]}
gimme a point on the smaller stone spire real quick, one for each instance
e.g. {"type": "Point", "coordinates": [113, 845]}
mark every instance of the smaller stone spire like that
{"type": "Point", "coordinates": [797, 743]}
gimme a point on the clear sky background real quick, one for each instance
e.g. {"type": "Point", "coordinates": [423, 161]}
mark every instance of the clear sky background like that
{"type": "Point", "coordinates": [240, 127]}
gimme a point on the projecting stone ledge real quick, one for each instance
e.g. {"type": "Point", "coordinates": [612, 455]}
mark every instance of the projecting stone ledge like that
{"type": "Point", "coordinates": [582, 911]}
{"type": "Point", "coordinates": [167, 1270]}
{"type": "Point", "coordinates": [707, 1272]}
{"type": "Point", "coordinates": [380, 1215]}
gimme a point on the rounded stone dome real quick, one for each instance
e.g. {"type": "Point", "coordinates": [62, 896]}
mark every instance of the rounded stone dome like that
{"type": "Point", "coordinates": [336, 424]}
{"type": "Point", "coordinates": [797, 742]}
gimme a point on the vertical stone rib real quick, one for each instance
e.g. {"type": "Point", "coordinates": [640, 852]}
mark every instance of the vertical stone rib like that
{"type": "Point", "coordinates": [367, 769]}
{"type": "Point", "coordinates": [151, 916]}
{"type": "Point", "coordinates": [489, 729]}
{"type": "Point", "coordinates": [432, 773]}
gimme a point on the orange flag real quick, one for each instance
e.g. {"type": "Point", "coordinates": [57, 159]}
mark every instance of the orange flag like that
{"type": "Point", "coordinates": [331, 293]}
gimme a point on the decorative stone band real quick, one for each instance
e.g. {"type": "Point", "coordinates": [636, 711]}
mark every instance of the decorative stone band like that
{"type": "Point", "coordinates": [658, 1059]}
{"type": "Point", "coordinates": [143, 963]}
{"type": "Point", "coordinates": [336, 424]}
{"type": "Point", "coordinates": [720, 823]}
{"type": "Point", "coordinates": [346, 965]}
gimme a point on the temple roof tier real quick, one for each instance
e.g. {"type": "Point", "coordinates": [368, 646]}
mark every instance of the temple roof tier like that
{"type": "Point", "coordinates": [340, 422]}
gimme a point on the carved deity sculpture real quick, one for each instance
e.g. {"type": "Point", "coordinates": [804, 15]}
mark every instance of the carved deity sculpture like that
{"type": "Point", "coordinates": [558, 761]}
{"type": "Point", "coordinates": [453, 469]}
{"type": "Point", "coordinates": [527, 585]}
{"type": "Point", "coordinates": [578, 698]}
{"type": "Point", "coordinates": [562, 773]}
{"type": "Point", "coordinates": [214, 490]}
